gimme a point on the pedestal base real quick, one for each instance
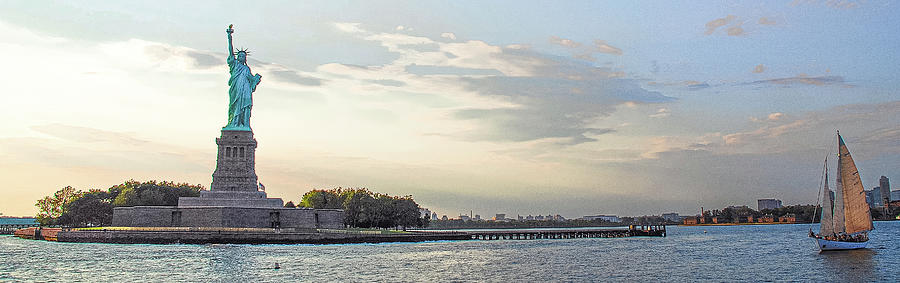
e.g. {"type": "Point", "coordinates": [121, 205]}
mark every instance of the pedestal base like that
{"type": "Point", "coordinates": [231, 199]}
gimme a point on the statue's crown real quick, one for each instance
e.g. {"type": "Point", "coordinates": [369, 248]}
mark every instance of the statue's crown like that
{"type": "Point", "coordinates": [244, 50]}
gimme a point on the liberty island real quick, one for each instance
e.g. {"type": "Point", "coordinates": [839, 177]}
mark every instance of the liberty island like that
{"type": "Point", "coordinates": [234, 199]}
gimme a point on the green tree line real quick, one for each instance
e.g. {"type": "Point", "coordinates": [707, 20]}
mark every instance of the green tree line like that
{"type": "Point", "coordinates": [75, 208]}
{"type": "Point", "coordinates": [367, 209]}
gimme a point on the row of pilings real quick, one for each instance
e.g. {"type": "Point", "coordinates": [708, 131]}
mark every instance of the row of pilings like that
{"type": "Point", "coordinates": [652, 231]}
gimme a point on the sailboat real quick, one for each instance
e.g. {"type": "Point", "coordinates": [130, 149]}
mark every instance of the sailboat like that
{"type": "Point", "coordinates": [845, 221]}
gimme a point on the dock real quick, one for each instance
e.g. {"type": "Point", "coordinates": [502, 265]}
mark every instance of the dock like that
{"type": "Point", "coordinates": [533, 234]}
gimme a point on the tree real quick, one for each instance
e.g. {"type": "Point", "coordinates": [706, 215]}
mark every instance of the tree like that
{"type": "Point", "coordinates": [93, 208]}
{"type": "Point", "coordinates": [152, 193]}
{"type": "Point", "coordinates": [367, 209]}
{"type": "Point", "coordinates": [320, 199]}
{"type": "Point", "coordinates": [52, 207]}
{"type": "Point", "coordinates": [359, 208]}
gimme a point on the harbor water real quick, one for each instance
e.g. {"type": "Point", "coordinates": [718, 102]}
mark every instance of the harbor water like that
{"type": "Point", "coordinates": [697, 253]}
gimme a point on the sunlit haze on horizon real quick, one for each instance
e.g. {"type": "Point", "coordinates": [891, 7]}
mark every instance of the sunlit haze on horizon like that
{"type": "Point", "coordinates": [519, 107]}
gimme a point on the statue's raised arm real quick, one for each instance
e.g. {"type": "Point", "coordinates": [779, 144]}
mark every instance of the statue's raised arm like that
{"type": "Point", "coordinates": [229, 31]}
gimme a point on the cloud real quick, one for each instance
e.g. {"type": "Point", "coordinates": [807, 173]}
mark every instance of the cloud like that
{"type": "Point", "coordinates": [766, 21]}
{"type": "Point", "coordinates": [564, 42]}
{"type": "Point", "coordinates": [661, 113]}
{"type": "Point", "coordinates": [587, 52]}
{"type": "Point", "coordinates": [836, 4]}
{"type": "Point", "coordinates": [711, 26]}
{"type": "Point", "coordinates": [163, 57]}
{"type": "Point", "coordinates": [759, 69]}
{"type": "Point", "coordinates": [449, 35]}
{"type": "Point", "coordinates": [394, 83]}
{"type": "Point", "coordinates": [602, 47]}
{"type": "Point", "coordinates": [735, 30]}
{"type": "Point", "coordinates": [87, 135]}
{"type": "Point", "coordinates": [775, 116]}
{"type": "Point", "coordinates": [92, 149]}
{"type": "Point", "coordinates": [551, 107]}
{"type": "Point", "coordinates": [508, 94]}
{"type": "Point", "coordinates": [290, 76]}
{"type": "Point", "coordinates": [697, 85]}
{"type": "Point", "coordinates": [803, 80]}
{"type": "Point", "coordinates": [353, 27]}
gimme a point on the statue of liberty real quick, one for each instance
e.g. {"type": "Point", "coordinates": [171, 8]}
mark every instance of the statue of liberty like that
{"type": "Point", "coordinates": [242, 84]}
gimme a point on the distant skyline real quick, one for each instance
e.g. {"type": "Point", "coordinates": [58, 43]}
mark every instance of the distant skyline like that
{"type": "Point", "coordinates": [573, 108]}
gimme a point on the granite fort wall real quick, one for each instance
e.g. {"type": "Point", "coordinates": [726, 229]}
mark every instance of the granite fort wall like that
{"type": "Point", "coordinates": [238, 217]}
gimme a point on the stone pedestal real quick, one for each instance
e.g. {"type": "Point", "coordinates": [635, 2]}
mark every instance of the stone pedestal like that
{"type": "Point", "coordinates": [234, 180]}
{"type": "Point", "coordinates": [233, 199]}
{"type": "Point", "coordinates": [235, 162]}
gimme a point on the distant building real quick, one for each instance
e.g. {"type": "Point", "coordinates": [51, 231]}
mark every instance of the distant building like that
{"type": "Point", "coordinates": [671, 217]}
{"type": "Point", "coordinates": [434, 216]}
{"type": "Point", "coordinates": [768, 203]}
{"type": "Point", "coordinates": [788, 218]}
{"type": "Point", "coordinates": [558, 218]}
{"type": "Point", "coordinates": [539, 218]}
{"type": "Point", "coordinates": [895, 195]}
{"type": "Point", "coordinates": [529, 217]}
{"type": "Point", "coordinates": [873, 197]}
{"type": "Point", "coordinates": [768, 218]}
{"type": "Point", "coordinates": [444, 218]}
{"type": "Point", "coordinates": [691, 220]}
{"type": "Point", "coordinates": [500, 216]}
{"type": "Point", "coordinates": [607, 218]}
{"type": "Point", "coordinates": [885, 185]}
{"type": "Point", "coordinates": [478, 217]}
{"type": "Point", "coordinates": [519, 217]}
{"type": "Point", "coordinates": [465, 218]}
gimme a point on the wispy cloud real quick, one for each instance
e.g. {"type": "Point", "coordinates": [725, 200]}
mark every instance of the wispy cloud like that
{"type": "Point", "coordinates": [661, 113]}
{"type": "Point", "coordinates": [564, 42]}
{"type": "Point", "coordinates": [802, 80]}
{"type": "Point", "coordinates": [449, 35]}
{"type": "Point", "coordinates": [836, 4]}
{"type": "Point", "coordinates": [766, 21]}
{"type": "Point", "coordinates": [353, 27]}
{"type": "Point", "coordinates": [713, 25]}
{"type": "Point", "coordinates": [759, 69]}
{"type": "Point", "coordinates": [603, 47]}
{"type": "Point", "coordinates": [586, 52]}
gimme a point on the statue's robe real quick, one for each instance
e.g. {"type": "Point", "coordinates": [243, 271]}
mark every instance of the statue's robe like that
{"type": "Point", "coordinates": [242, 84]}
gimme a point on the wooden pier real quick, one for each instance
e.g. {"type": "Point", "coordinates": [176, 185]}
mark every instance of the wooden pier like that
{"type": "Point", "coordinates": [532, 234]}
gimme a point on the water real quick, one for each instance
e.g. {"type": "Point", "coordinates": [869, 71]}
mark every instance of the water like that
{"type": "Point", "coordinates": [724, 253]}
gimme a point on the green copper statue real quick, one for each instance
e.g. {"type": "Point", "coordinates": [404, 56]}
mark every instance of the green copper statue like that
{"type": "Point", "coordinates": [242, 84]}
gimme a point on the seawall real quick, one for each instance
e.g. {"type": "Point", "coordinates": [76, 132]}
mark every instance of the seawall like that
{"type": "Point", "coordinates": [201, 235]}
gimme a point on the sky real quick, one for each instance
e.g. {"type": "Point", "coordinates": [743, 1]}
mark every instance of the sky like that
{"type": "Point", "coordinates": [519, 107]}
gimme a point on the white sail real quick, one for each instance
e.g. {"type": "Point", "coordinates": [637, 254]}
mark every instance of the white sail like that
{"type": "Point", "coordinates": [855, 210]}
{"type": "Point", "coordinates": [826, 224]}
{"type": "Point", "coordinates": [838, 206]}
